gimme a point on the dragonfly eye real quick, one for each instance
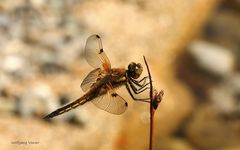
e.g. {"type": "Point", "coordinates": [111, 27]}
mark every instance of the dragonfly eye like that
{"type": "Point", "coordinates": [134, 70]}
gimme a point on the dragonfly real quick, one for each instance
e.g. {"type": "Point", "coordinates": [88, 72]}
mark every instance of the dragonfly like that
{"type": "Point", "coordinates": [101, 83]}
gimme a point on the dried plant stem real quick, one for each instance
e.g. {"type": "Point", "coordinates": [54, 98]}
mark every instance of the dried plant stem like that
{"type": "Point", "coordinates": [152, 110]}
{"type": "Point", "coordinates": [155, 99]}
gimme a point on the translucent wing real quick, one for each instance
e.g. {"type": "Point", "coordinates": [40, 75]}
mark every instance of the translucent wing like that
{"type": "Point", "coordinates": [95, 54]}
{"type": "Point", "coordinates": [111, 102]}
{"type": "Point", "coordinates": [90, 79]}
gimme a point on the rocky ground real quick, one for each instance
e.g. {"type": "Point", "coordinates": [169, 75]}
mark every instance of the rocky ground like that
{"type": "Point", "coordinates": [192, 48]}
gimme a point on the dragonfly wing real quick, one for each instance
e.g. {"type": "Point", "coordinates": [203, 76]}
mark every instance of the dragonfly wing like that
{"type": "Point", "coordinates": [111, 102]}
{"type": "Point", "coordinates": [90, 79]}
{"type": "Point", "coordinates": [95, 54]}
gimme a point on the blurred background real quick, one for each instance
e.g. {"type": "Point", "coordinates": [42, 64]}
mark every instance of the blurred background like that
{"type": "Point", "coordinates": [192, 48]}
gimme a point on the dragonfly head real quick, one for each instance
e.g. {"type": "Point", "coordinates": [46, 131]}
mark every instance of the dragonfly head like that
{"type": "Point", "coordinates": [134, 70]}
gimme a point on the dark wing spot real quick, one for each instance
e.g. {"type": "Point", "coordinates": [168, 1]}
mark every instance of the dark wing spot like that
{"type": "Point", "coordinates": [126, 104]}
{"type": "Point", "coordinates": [114, 95]}
{"type": "Point", "coordinates": [101, 50]}
{"type": "Point", "coordinates": [98, 36]}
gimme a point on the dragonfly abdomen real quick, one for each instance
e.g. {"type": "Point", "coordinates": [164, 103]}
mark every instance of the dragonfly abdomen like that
{"type": "Point", "coordinates": [80, 101]}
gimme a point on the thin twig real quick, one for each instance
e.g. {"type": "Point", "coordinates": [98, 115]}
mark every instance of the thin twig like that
{"type": "Point", "coordinates": [155, 99]}
{"type": "Point", "coordinates": [151, 107]}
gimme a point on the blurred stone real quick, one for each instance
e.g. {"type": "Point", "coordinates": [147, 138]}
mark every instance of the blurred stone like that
{"type": "Point", "coordinates": [226, 95]}
{"type": "Point", "coordinates": [213, 58]}
{"type": "Point", "coordinates": [15, 60]}
{"type": "Point", "coordinates": [198, 79]}
{"type": "Point", "coordinates": [209, 129]}
{"type": "Point", "coordinates": [38, 99]}
{"type": "Point", "coordinates": [172, 144]}
{"type": "Point", "coordinates": [4, 81]}
{"type": "Point", "coordinates": [4, 21]}
{"type": "Point", "coordinates": [53, 38]}
{"type": "Point", "coordinates": [7, 106]}
{"type": "Point", "coordinates": [231, 148]}
{"type": "Point", "coordinates": [37, 3]}
{"type": "Point", "coordinates": [225, 18]}
{"type": "Point", "coordinates": [13, 64]}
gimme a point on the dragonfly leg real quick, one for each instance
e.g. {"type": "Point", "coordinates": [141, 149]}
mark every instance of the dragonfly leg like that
{"type": "Point", "coordinates": [134, 98]}
{"type": "Point", "coordinates": [140, 90]}
{"type": "Point", "coordinates": [143, 79]}
{"type": "Point", "coordinates": [138, 83]}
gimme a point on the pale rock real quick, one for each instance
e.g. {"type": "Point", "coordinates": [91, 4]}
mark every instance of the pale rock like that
{"type": "Point", "coordinates": [225, 96]}
{"type": "Point", "coordinates": [213, 58]}
{"type": "Point", "coordinates": [13, 64]}
{"type": "Point", "coordinates": [37, 99]}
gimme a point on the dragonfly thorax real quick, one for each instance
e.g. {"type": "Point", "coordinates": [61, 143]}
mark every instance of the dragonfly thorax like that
{"type": "Point", "coordinates": [134, 70]}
